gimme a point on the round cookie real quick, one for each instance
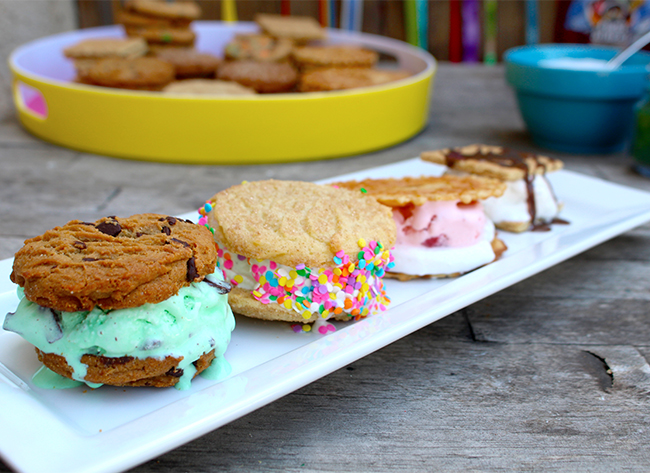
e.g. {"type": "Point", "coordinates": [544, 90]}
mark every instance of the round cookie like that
{"type": "Point", "coordinates": [130, 18]}
{"type": "Point", "coordinates": [319, 80]}
{"type": "Point", "coordinates": [258, 47]}
{"type": "Point", "coordinates": [144, 73]}
{"type": "Point", "coordinates": [162, 35]}
{"type": "Point", "coordinates": [163, 9]}
{"type": "Point", "coordinates": [126, 370]}
{"type": "Point", "coordinates": [207, 87]}
{"type": "Point", "coordinates": [189, 63]}
{"type": "Point", "coordinates": [299, 29]}
{"type": "Point", "coordinates": [264, 77]}
{"type": "Point", "coordinates": [308, 57]}
{"type": "Point", "coordinates": [106, 47]}
{"type": "Point", "coordinates": [298, 251]}
{"type": "Point", "coordinates": [113, 263]}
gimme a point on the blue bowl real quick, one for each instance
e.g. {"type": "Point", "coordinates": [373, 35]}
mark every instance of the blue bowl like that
{"type": "Point", "coordinates": [577, 111]}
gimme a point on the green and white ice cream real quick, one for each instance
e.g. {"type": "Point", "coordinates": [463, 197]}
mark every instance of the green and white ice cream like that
{"type": "Point", "coordinates": [189, 324]}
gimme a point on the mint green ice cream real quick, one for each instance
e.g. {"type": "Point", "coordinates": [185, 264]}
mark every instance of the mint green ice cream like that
{"type": "Point", "coordinates": [195, 321]}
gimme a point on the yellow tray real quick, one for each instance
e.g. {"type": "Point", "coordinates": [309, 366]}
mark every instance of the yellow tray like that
{"type": "Point", "coordinates": [217, 130]}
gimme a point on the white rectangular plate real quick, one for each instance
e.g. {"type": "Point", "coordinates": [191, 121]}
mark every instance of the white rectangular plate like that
{"type": "Point", "coordinates": [112, 429]}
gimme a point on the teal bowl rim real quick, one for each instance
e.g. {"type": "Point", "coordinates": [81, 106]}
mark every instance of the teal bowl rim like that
{"type": "Point", "coordinates": [515, 56]}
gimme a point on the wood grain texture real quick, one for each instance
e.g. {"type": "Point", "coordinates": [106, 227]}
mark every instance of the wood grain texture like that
{"type": "Point", "coordinates": [516, 382]}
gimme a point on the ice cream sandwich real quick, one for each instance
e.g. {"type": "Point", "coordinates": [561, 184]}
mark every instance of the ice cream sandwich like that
{"type": "Point", "coordinates": [528, 202]}
{"type": "Point", "coordinates": [123, 301]}
{"type": "Point", "coordinates": [301, 252]}
{"type": "Point", "coordinates": [442, 230]}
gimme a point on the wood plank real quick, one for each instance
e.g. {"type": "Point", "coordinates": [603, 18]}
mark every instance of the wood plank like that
{"type": "Point", "coordinates": [423, 402]}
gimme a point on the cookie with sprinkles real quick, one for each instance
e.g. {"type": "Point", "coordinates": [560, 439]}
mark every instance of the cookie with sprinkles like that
{"type": "Point", "coordinates": [301, 252]}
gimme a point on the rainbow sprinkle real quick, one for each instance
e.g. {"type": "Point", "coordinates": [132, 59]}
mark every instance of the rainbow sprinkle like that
{"type": "Point", "coordinates": [347, 287]}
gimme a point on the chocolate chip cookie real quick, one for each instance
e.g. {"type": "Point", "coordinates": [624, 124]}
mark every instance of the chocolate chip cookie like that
{"type": "Point", "coordinates": [114, 262]}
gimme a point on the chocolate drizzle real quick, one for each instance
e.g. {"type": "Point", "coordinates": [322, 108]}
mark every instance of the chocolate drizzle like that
{"type": "Point", "coordinates": [512, 159]}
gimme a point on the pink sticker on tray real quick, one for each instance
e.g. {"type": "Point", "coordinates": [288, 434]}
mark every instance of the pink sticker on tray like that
{"type": "Point", "coordinates": [32, 100]}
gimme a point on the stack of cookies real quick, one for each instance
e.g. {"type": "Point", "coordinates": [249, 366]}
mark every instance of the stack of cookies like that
{"type": "Point", "coordinates": [339, 67]}
{"type": "Point", "coordinates": [263, 61]}
{"type": "Point", "coordinates": [160, 23]}
{"type": "Point", "coordinates": [119, 63]}
{"type": "Point", "coordinates": [287, 55]}
{"type": "Point", "coordinates": [87, 53]}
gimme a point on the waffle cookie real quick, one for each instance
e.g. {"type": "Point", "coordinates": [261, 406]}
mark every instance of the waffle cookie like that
{"type": "Point", "coordinates": [528, 203]}
{"type": "Point", "coordinates": [123, 301]}
{"type": "Point", "coordinates": [442, 230]}
{"type": "Point", "coordinates": [301, 252]}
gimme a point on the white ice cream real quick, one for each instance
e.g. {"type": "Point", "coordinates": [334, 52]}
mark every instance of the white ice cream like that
{"type": "Point", "coordinates": [574, 63]}
{"type": "Point", "coordinates": [512, 206]}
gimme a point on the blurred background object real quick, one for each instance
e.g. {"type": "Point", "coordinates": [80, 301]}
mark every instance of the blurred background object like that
{"type": "Point", "coordinates": [438, 25]}
{"type": "Point", "coordinates": [22, 21]}
{"type": "Point", "coordinates": [382, 17]}
{"type": "Point", "coordinates": [569, 100]}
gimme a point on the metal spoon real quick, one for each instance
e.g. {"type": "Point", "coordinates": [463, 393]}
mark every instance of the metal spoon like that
{"type": "Point", "coordinates": [622, 56]}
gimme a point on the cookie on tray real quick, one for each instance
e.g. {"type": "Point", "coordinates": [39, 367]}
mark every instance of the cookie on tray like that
{"type": "Point", "coordinates": [301, 252]}
{"type": "Point", "coordinates": [309, 57]}
{"type": "Point", "coordinates": [299, 29]}
{"type": "Point", "coordinates": [263, 77]}
{"type": "Point", "coordinates": [258, 47]}
{"type": "Point", "coordinates": [131, 18]}
{"type": "Point", "coordinates": [144, 73]}
{"type": "Point", "coordinates": [207, 87]}
{"type": "Point", "coordinates": [189, 63]}
{"type": "Point", "coordinates": [185, 10]}
{"type": "Point", "coordinates": [100, 48]}
{"type": "Point", "coordinates": [162, 35]}
{"type": "Point", "coordinates": [442, 230]}
{"type": "Point", "coordinates": [123, 301]}
{"type": "Point", "coordinates": [346, 78]}
{"type": "Point", "coordinates": [528, 203]}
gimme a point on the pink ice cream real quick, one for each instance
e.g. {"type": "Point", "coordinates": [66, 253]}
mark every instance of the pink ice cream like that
{"type": "Point", "coordinates": [440, 223]}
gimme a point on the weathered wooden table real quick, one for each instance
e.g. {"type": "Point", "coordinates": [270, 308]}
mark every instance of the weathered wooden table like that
{"type": "Point", "coordinates": [550, 374]}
